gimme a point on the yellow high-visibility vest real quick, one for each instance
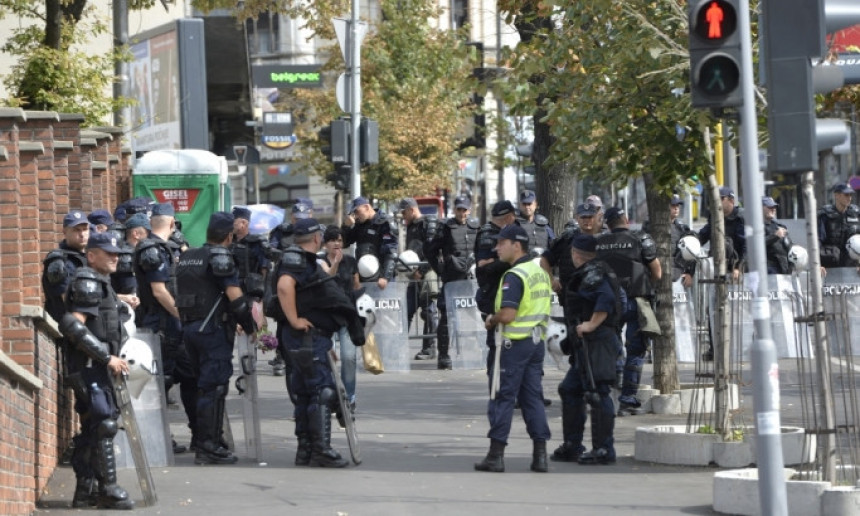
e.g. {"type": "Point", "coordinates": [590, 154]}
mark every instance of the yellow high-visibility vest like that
{"type": "Point", "coordinates": [534, 307]}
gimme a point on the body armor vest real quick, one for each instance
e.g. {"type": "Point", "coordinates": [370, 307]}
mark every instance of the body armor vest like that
{"type": "Point", "coordinates": [59, 265]}
{"type": "Point", "coordinates": [537, 232]}
{"type": "Point", "coordinates": [147, 300]}
{"type": "Point", "coordinates": [196, 289]}
{"type": "Point", "coordinates": [578, 308]}
{"type": "Point", "coordinates": [776, 249]}
{"type": "Point", "coordinates": [622, 252]}
{"type": "Point", "coordinates": [838, 228]}
{"type": "Point", "coordinates": [565, 261]}
{"type": "Point", "coordinates": [458, 248]}
{"type": "Point", "coordinates": [107, 326]}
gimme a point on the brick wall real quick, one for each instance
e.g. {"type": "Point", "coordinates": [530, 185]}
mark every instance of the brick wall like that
{"type": "Point", "coordinates": [48, 165]}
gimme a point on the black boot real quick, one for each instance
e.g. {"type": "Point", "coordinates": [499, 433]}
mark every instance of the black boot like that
{"type": "Point", "coordinates": [110, 495]}
{"type": "Point", "coordinates": [322, 454]}
{"type": "Point", "coordinates": [85, 493]}
{"type": "Point", "coordinates": [443, 361]}
{"type": "Point", "coordinates": [495, 459]}
{"type": "Point", "coordinates": [539, 457]}
{"type": "Point", "coordinates": [303, 450]}
{"type": "Point", "coordinates": [208, 449]}
{"type": "Point", "coordinates": [569, 451]}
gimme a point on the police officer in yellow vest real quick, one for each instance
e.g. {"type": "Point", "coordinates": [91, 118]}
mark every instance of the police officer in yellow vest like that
{"type": "Point", "coordinates": [522, 309]}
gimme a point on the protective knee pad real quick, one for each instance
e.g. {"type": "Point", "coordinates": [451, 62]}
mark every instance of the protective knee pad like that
{"type": "Point", "coordinates": [107, 429]}
{"type": "Point", "coordinates": [222, 390]}
{"type": "Point", "coordinates": [328, 397]}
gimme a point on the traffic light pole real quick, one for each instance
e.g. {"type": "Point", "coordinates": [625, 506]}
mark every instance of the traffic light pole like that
{"type": "Point", "coordinates": [355, 104]}
{"type": "Point", "coordinates": [765, 368]}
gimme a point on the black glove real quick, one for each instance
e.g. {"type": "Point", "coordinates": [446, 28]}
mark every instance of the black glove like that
{"type": "Point", "coordinates": [241, 310]}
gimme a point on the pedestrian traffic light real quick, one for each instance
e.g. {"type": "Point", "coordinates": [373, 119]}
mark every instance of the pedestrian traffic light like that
{"type": "Point", "coordinates": [794, 34]}
{"type": "Point", "coordinates": [334, 140]}
{"type": "Point", "coordinates": [715, 54]}
{"type": "Point", "coordinates": [340, 177]}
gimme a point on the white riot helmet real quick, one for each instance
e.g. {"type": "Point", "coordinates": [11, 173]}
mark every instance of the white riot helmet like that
{"type": "Point", "coordinates": [690, 248]}
{"type": "Point", "coordinates": [853, 247]}
{"type": "Point", "coordinates": [130, 326]}
{"type": "Point", "coordinates": [799, 257]}
{"type": "Point", "coordinates": [368, 266]}
{"type": "Point", "coordinates": [556, 332]}
{"type": "Point", "coordinates": [141, 364]}
{"type": "Point", "coordinates": [409, 260]}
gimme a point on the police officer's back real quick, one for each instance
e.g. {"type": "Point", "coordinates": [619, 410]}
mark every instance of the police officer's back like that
{"type": "Point", "coordinates": [558, 255]}
{"type": "Point", "coordinates": [210, 303]}
{"type": "Point", "coordinates": [489, 268]}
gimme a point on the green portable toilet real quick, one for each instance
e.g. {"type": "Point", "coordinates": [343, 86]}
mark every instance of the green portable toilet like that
{"type": "Point", "coordinates": [194, 181]}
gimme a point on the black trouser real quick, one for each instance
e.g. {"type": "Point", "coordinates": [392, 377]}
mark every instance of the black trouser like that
{"type": "Point", "coordinates": [417, 296]}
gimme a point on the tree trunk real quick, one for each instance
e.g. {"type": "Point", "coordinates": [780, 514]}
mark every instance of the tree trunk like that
{"type": "Point", "coordinates": [663, 352]}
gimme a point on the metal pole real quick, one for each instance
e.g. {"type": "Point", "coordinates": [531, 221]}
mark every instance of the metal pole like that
{"type": "Point", "coordinates": [765, 368]}
{"type": "Point", "coordinates": [355, 104]}
{"type": "Point", "coordinates": [120, 39]}
{"type": "Point", "coordinates": [822, 346]}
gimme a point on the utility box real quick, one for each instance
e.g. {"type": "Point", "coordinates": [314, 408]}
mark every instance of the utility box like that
{"type": "Point", "coordinates": [194, 181]}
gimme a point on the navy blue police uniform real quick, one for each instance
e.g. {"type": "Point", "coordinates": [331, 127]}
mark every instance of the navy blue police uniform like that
{"type": "Point", "coordinates": [92, 344]}
{"type": "Point", "coordinates": [593, 288]}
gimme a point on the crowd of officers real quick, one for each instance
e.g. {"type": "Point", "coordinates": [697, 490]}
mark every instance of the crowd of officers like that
{"type": "Point", "coordinates": [196, 300]}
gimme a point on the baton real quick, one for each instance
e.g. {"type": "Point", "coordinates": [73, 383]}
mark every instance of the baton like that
{"type": "Point", "coordinates": [494, 386]}
{"type": "Point", "coordinates": [209, 316]}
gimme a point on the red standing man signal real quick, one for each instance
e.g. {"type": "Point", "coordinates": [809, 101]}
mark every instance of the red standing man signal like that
{"type": "Point", "coordinates": [714, 17]}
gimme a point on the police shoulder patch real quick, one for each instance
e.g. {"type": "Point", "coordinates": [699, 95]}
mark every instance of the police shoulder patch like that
{"type": "Point", "coordinates": [221, 262]}
{"type": "Point", "coordinates": [293, 259]}
{"type": "Point", "coordinates": [473, 223]}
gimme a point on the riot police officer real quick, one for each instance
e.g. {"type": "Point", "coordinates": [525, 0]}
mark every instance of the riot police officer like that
{"type": "Point", "coordinates": [632, 256]}
{"type": "Point", "coordinates": [312, 309]}
{"type": "Point", "coordinates": [522, 308]}
{"type": "Point", "coordinates": [735, 232]}
{"type": "Point", "coordinates": [837, 223]}
{"type": "Point", "coordinates": [489, 269]}
{"type": "Point", "coordinates": [455, 240]}
{"type": "Point", "coordinates": [154, 268]}
{"type": "Point", "coordinates": [60, 264]}
{"type": "Point", "coordinates": [101, 219]}
{"type": "Point", "coordinates": [536, 225]}
{"type": "Point", "coordinates": [558, 254]}
{"type": "Point", "coordinates": [93, 327]}
{"type": "Point", "coordinates": [419, 293]}
{"type": "Point", "coordinates": [592, 312]}
{"type": "Point", "coordinates": [249, 253]}
{"type": "Point", "coordinates": [374, 235]}
{"type": "Point", "coordinates": [681, 268]}
{"type": "Point", "coordinates": [137, 228]}
{"type": "Point", "coordinates": [204, 277]}
{"type": "Point", "coordinates": [776, 240]}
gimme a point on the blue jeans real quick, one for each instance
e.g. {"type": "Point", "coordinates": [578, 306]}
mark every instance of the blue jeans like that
{"type": "Point", "coordinates": [347, 362]}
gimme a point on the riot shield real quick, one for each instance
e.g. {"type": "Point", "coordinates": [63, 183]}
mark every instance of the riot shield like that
{"type": "Point", "coordinates": [391, 328]}
{"type": "Point", "coordinates": [345, 410]}
{"type": "Point", "coordinates": [247, 386]}
{"type": "Point", "coordinates": [685, 323]}
{"type": "Point", "coordinates": [468, 337]}
{"type": "Point", "coordinates": [556, 310]}
{"type": "Point", "coordinates": [781, 294]}
{"type": "Point", "coordinates": [842, 298]}
{"type": "Point", "coordinates": [150, 411]}
{"type": "Point", "coordinates": [134, 440]}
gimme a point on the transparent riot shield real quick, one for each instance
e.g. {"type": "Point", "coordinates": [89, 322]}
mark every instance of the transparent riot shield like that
{"type": "Point", "coordinates": [468, 337]}
{"type": "Point", "coordinates": [150, 410]}
{"type": "Point", "coordinates": [391, 328]}
{"type": "Point", "coordinates": [246, 384]}
{"type": "Point", "coordinates": [685, 323]}
{"type": "Point", "coordinates": [842, 294]}
{"type": "Point", "coordinates": [781, 292]}
{"type": "Point", "coordinates": [556, 310]}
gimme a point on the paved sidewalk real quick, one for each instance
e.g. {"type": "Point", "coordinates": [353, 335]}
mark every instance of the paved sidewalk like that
{"type": "Point", "coordinates": [420, 434]}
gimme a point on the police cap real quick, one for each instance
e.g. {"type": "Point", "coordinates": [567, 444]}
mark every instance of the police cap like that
{"type": "Point", "coordinates": [586, 210]}
{"type": "Point", "coordinates": [221, 221]}
{"type": "Point", "coordinates": [104, 241]}
{"type": "Point", "coordinates": [527, 196]}
{"type": "Point", "coordinates": [583, 242]}
{"type": "Point", "coordinates": [502, 208]}
{"type": "Point", "coordinates": [100, 217]}
{"type": "Point", "coordinates": [163, 209]}
{"type": "Point", "coordinates": [306, 227]}
{"type": "Point", "coordinates": [138, 220]}
{"type": "Point", "coordinates": [75, 218]}
{"type": "Point", "coordinates": [614, 213]}
{"type": "Point", "coordinates": [512, 232]}
{"type": "Point", "coordinates": [407, 202]}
